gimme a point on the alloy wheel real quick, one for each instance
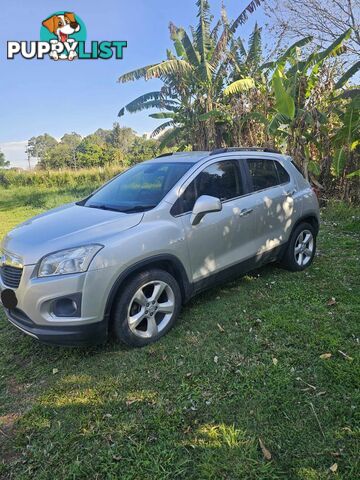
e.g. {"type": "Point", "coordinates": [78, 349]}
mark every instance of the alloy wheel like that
{"type": "Point", "coordinates": [151, 309]}
{"type": "Point", "coordinates": [304, 248]}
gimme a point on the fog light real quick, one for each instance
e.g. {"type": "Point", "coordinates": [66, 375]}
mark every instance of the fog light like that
{"type": "Point", "coordinates": [65, 307]}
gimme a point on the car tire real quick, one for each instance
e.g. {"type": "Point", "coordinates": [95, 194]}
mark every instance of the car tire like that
{"type": "Point", "coordinates": [301, 248]}
{"type": "Point", "coordinates": [146, 308]}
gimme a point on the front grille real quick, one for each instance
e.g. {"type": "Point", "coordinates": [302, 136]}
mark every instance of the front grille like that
{"type": "Point", "coordinates": [11, 276]}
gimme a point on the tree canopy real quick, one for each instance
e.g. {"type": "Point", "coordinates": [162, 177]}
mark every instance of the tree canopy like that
{"type": "Point", "coordinates": [118, 146]}
{"type": "Point", "coordinates": [3, 162]}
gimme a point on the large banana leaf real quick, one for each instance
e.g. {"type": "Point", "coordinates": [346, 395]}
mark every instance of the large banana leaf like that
{"type": "Point", "coordinates": [175, 37]}
{"type": "Point", "coordinates": [161, 115]}
{"type": "Point", "coordinates": [160, 104]}
{"type": "Point", "coordinates": [222, 43]}
{"type": "Point", "coordinates": [213, 114]}
{"type": "Point", "coordinates": [339, 161]}
{"type": "Point", "coordinates": [291, 51]}
{"type": "Point", "coordinates": [238, 49]}
{"type": "Point", "coordinates": [190, 51]}
{"type": "Point", "coordinates": [214, 34]}
{"type": "Point", "coordinates": [350, 119]}
{"type": "Point", "coordinates": [316, 59]}
{"type": "Point", "coordinates": [277, 122]}
{"type": "Point", "coordinates": [355, 173]}
{"type": "Point", "coordinates": [135, 74]}
{"type": "Point", "coordinates": [149, 100]}
{"type": "Point", "coordinates": [169, 67]}
{"type": "Point", "coordinates": [347, 75]}
{"type": "Point", "coordinates": [203, 41]}
{"type": "Point", "coordinates": [161, 128]}
{"type": "Point", "coordinates": [284, 102]}
{"type": "Point", "coordinates": [220, 48]}
{"type": "Point", "coordinates": [244, 15]}
{"type": "Point", "coordinates": [137, 104]}
{"type": "Point", "coordinates": [240, 86]}
{"type": "Point", "coordinates": [255, 49]}
{"type": "Point", "coordinates": [335, 48]}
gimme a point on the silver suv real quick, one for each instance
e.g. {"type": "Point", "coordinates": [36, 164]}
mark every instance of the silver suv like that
{"type": "Point", "coordinates": [127, 257]}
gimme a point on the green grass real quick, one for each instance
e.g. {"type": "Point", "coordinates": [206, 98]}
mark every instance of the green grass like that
{"type": "Point", "coordinates": [243, 363]}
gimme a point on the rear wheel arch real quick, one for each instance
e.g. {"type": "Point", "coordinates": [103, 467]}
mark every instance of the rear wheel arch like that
{"type": "Point", "coordinates": [311, 219]}
{"type": "Point", "coordinates": [168, 263]}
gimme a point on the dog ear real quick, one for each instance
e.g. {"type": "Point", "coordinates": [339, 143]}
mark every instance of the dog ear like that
{"type": "Point", "coordinates": [50, 23]}
{"type": "Point", "coordinates": [70, 16]}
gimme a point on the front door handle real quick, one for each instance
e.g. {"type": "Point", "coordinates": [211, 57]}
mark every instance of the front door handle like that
{"type": "Point", "coordinates": [245, 212]}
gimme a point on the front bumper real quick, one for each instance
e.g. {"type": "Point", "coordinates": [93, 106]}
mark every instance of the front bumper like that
{"type": "Point", "coordinates": [75, 335]}
{"type": "Point", "coordinates": [35, 296]}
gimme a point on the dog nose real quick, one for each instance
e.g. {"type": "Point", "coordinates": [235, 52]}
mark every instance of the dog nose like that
{"type": "Point", "coordinates": [74, 25]}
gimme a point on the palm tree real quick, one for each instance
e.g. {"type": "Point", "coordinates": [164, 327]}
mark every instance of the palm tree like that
{"type": "Point", "coordinates": [193, 79]}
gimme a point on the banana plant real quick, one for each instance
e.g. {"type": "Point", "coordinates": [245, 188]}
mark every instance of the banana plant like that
{"type": "Point", "coordinates": [193, 76]}
{"type": "Point", "coordinates": [346, 139]}
{"type": "Point", "coordinates": [295, 117]}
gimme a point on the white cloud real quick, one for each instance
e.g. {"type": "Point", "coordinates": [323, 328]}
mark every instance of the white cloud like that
{"type": "Point", "coordinates": [15, 153]}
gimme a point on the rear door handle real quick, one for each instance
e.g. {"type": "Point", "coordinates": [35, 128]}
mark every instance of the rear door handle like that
{"type": "Point", "coordinates": [290, 193]}
{"type": "Point", "coordinates": [245, 212]}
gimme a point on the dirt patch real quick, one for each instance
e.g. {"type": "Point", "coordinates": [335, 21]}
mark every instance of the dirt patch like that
{"type": "Point", "coordinates": [7, 431]}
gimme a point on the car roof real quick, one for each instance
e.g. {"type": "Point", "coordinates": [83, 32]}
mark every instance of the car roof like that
{"type": "Point", "coordinates": [197, 156]}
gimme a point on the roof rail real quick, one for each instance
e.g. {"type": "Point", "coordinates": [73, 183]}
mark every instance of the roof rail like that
{"type": "Point", "coordinates": [165, 155]}
{"type": "Point", "coordinates": [243, 149]}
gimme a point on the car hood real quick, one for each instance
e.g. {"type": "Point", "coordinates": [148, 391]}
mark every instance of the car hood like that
{"type": "Point", "coordinates": [65, 227]}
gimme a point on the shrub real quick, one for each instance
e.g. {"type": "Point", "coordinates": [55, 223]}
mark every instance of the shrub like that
{"type": "Point", "coordinates": [59, 179]}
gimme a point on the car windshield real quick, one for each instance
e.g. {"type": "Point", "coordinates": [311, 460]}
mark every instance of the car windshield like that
{"type": "Point", "coordinates": [138, 189]}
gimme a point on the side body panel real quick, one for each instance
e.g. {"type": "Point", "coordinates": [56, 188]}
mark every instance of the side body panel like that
{"type": "Point", "coordinates": [221, 239]}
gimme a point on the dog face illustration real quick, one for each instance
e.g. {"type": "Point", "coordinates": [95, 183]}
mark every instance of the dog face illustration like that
{"type": "Point", "coordinates": [62, 25]}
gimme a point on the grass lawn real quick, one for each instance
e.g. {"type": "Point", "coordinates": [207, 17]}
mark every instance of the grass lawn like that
{"type": "Point", "coordinates": [244, 363]}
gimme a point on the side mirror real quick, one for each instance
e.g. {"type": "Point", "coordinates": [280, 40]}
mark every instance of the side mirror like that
{"type": "Point", "coordinates": [203, 205]}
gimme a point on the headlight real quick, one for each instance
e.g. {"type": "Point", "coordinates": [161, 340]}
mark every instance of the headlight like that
{"type": "Point", "coordinates": [72, 260]}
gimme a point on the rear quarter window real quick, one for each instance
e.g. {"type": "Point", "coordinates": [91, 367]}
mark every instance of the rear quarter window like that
{"type": "Point", "coordinates": [284, 177]}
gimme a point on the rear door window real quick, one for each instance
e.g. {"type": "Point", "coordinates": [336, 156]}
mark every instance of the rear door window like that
{"type": "Point", "coordinates": [266, 173]}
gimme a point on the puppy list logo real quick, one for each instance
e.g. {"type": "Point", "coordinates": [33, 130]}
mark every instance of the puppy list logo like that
{"type": "Point", "coordinates": [63, 37]}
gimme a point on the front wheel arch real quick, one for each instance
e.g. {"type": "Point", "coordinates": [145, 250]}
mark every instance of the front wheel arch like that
{"type": "Point", "coordinates": [166, 262]}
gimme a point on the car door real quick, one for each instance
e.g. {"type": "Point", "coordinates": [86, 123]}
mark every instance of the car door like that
{"type": "Point", "coordinates": [222, 238]}
{"type": "Point", "coordinates": [273, 192]}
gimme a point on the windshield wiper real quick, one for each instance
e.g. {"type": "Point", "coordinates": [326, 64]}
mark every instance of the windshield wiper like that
{"type": "Point", "coordinates": [105, 207]}
{"type": "Point", "coordinates": [138, 208]}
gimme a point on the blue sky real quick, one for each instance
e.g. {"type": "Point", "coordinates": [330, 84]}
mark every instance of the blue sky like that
{"type": "Point", "coordinates": [40, 96]}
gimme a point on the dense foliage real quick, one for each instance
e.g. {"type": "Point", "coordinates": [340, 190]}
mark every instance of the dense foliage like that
{"type": "Point", "coordinates": [119, 146]}
{"type": "Point", "coordinates": [218, 93]}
